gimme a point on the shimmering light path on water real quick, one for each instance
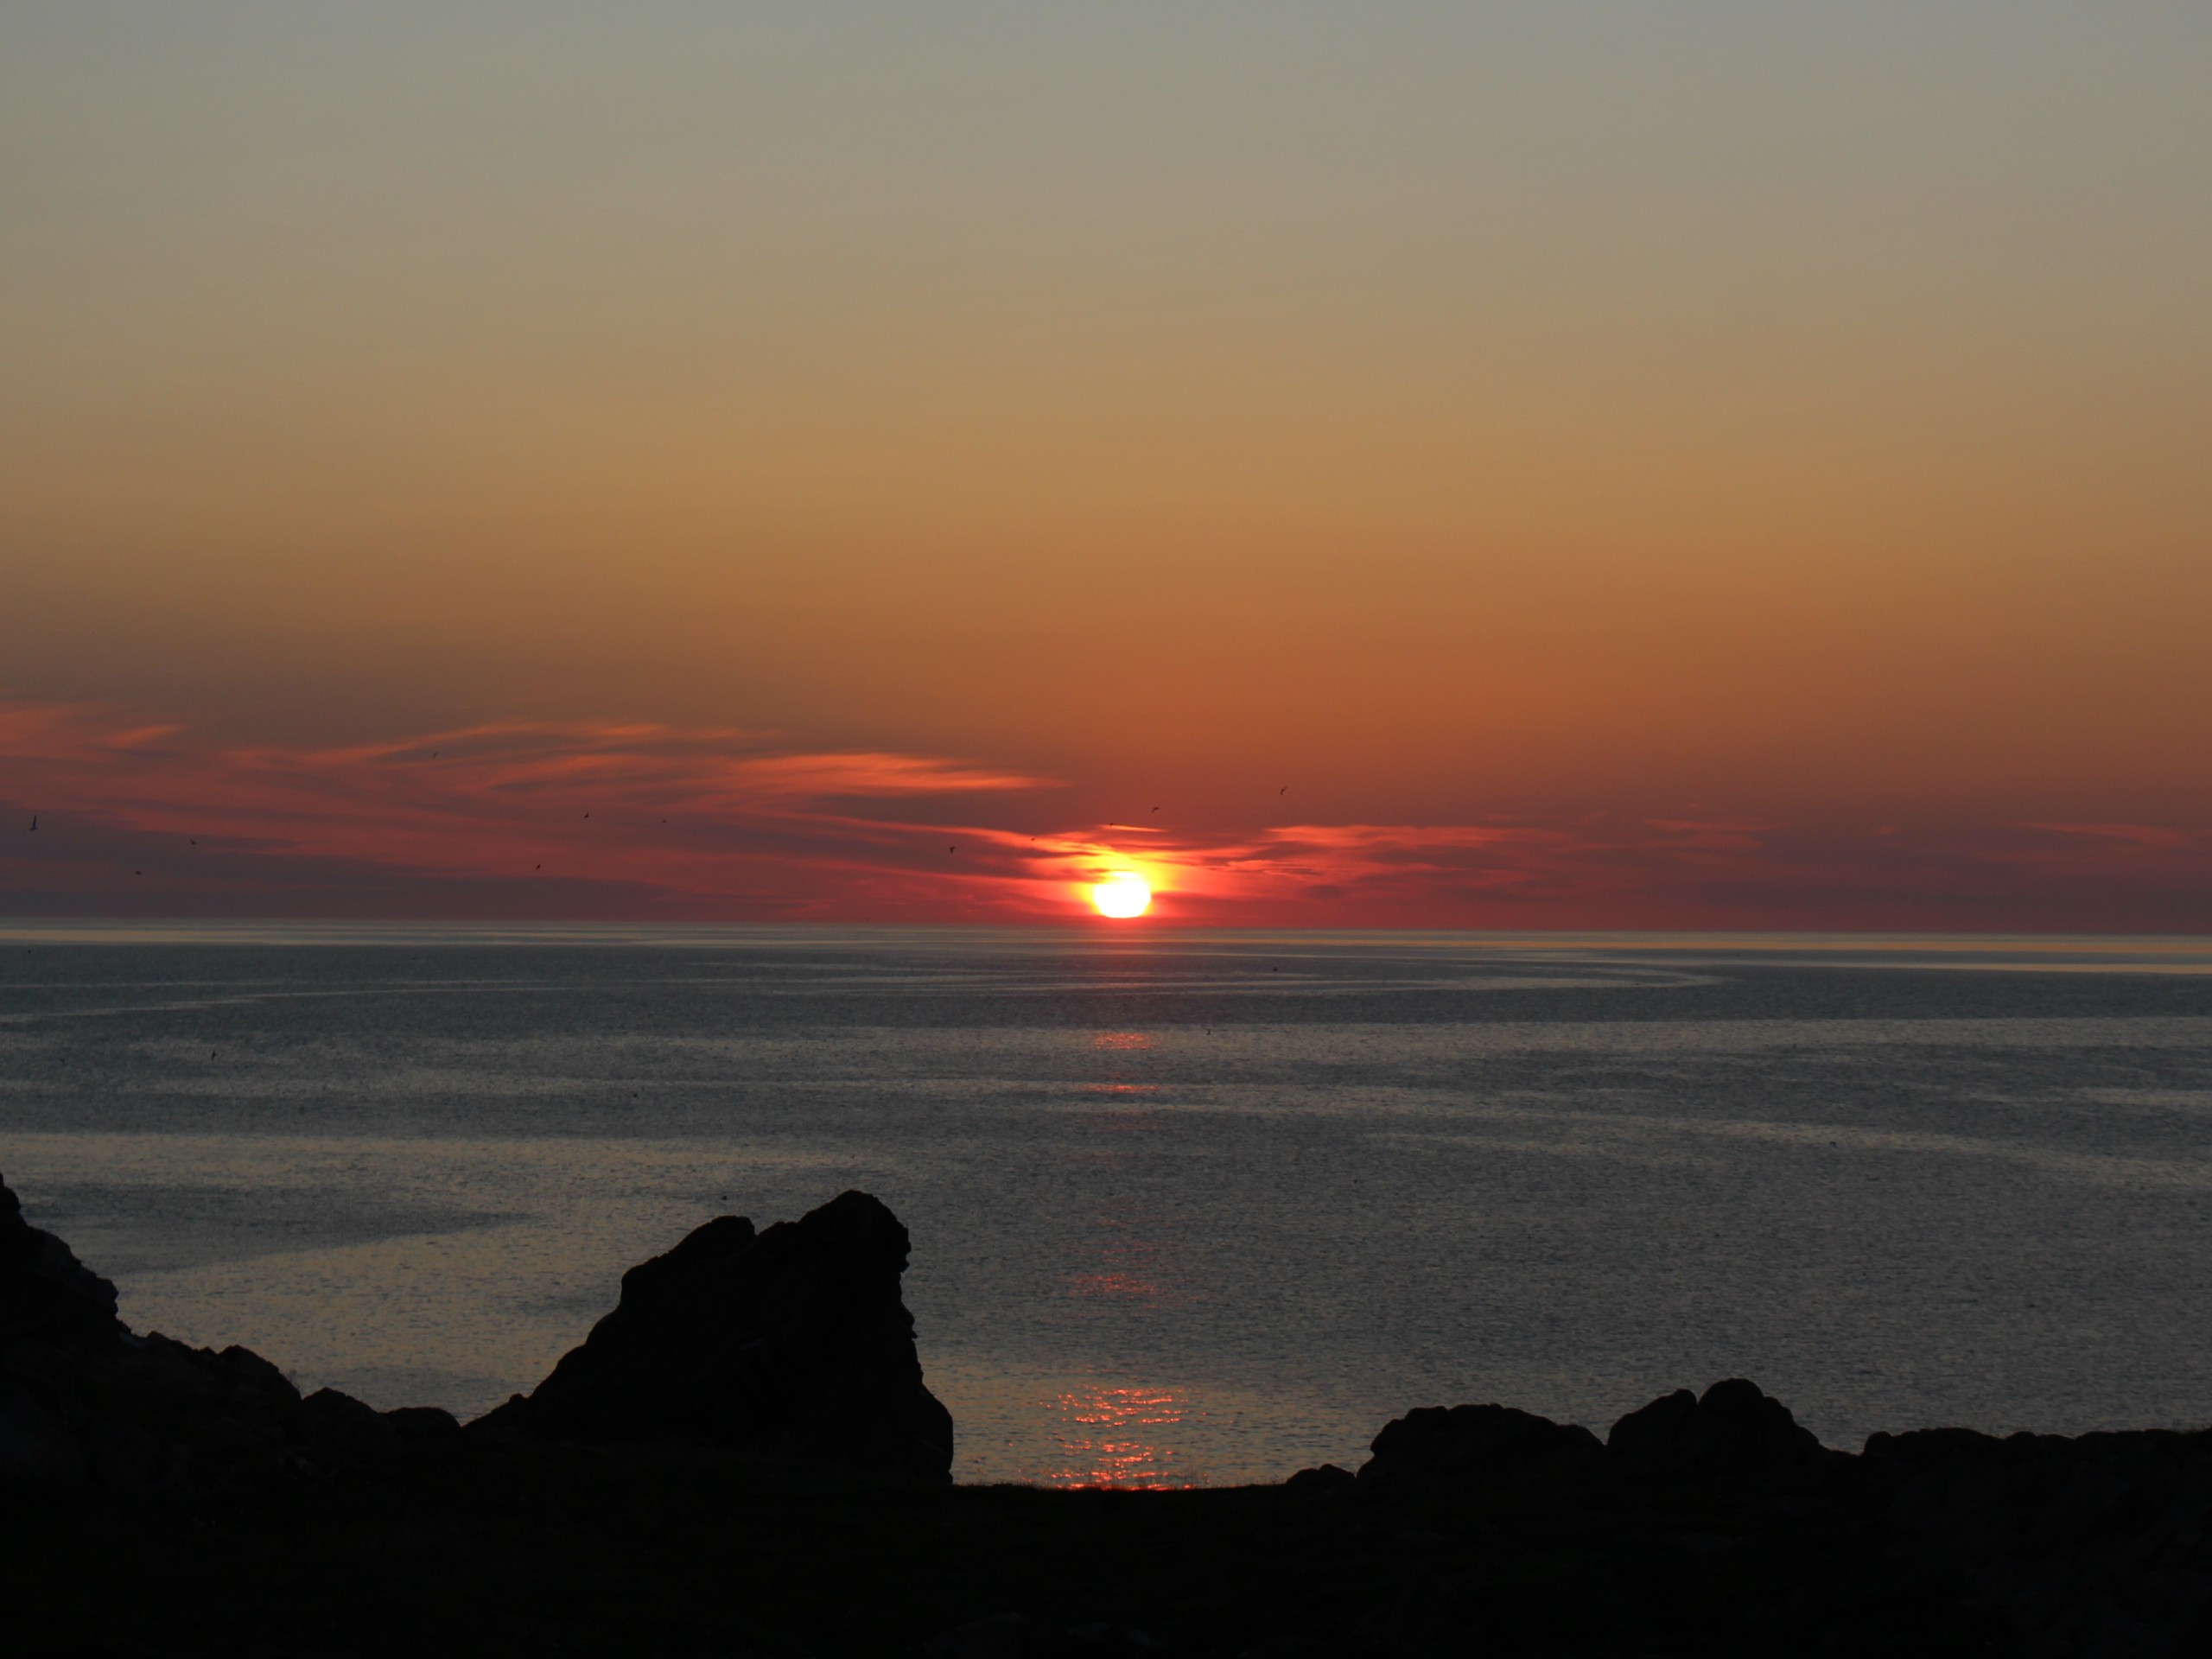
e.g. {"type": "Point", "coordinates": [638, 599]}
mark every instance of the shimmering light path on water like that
{"type": "Point", "coordinates": [1185, 1208]}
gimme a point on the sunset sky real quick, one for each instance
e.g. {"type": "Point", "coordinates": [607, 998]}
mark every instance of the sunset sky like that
{"type": "Point", "coordinates": [1725, 463]}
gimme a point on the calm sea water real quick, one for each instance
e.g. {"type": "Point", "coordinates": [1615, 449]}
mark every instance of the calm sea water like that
{"type": "Point", "coordinates": [1186, 1208]}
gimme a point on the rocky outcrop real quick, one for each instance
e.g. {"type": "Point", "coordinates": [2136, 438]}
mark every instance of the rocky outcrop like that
{"type": "Point", "coordinates": [1733, 1430]}
{"type": "Point", "coordinates": [2099, 1543]}
{"type": "Point", "coordinates": [83, 1401]}
{"type": "Point", "coordinates": [2095, 1545]}
{"type": "Point", "coordinates": [46, 1293]}
{"type": "Point", "coordinates": [1708, 1523]}
{"type": "Point", "coordinates": [791, 1343]}
{"type": "Point", "coordinates": [1438, 1449]}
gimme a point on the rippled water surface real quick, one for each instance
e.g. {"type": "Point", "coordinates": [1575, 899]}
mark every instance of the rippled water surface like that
{"type": "Point", "coordinates": [1185, 1208]}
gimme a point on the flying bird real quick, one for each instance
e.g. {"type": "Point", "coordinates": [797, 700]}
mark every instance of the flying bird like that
{"type": "Point", "coordinates": [1285, 789]}
{"type": "Point", "coordinates": [34, 820]}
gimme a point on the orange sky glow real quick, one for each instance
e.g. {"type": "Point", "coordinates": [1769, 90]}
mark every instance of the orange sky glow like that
{"type": "Point", "coordinates": [1584, 465]}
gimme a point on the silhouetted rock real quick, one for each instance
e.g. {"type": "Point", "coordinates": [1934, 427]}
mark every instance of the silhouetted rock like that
{"type": "Point", "coordinates": [46, 1293]}
{"type": "Point", "coordinates": [1440, 1448]}
{"type": "Point", "coordinates": [1327, 1478]}
{"type": "Point", "coordinates": [793, 1343]}
{"type": "Point", "coordinates": [338, 1428]}
{"type": "Point", "coordinates": [1709, 1525]}
{"type": "Point", "coordinates": [83, 1400]}
{"type": "Point", "coordinates": [1733, 1431]}
{"type": "Point", "coordinates": [2097, 1544]}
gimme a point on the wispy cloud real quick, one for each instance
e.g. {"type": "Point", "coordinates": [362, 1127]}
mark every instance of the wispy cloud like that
{"type": "Point", "coordinates": [1623, 871]}
{"type": "Point", "coordinates": [562, 820]}
{"type": "Point", "coordinates": [515, 817]}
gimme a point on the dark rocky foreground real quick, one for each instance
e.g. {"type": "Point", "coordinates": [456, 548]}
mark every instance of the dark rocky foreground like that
{"type": "Point", "coordinates": [792, 1343]}
{"type": "Point", "coordinates": [742, 1458]}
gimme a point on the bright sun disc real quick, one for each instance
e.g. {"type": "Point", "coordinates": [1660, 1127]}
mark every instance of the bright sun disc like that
{"type": "Point", "coordinates": [1121, 895]}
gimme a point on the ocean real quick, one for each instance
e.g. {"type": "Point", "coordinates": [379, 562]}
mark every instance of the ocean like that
{"type": "Point", "coordinates": [1186, 1208]}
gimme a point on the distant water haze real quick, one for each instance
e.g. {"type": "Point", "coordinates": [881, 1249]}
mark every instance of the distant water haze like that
{"type": "Point", "coordinates": [1186, 1207]}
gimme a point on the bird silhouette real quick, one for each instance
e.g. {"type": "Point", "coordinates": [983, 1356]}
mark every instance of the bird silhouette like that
{"type": "Point", "coordinates": [952, 850]}
{"type": "Point", "coordinates": [1155, 809]}
{"type": "Point", "coordinates": [1285, 789]}
{"type": "Point", "coordinates": [34, 820]}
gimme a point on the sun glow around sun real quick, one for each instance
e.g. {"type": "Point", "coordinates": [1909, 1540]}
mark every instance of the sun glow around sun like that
{"type": "Point", "coordinates": [1122, 895]}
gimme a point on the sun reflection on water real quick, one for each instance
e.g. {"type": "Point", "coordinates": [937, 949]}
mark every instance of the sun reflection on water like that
{"type": "Point", "coordinates": [1111, 1437]}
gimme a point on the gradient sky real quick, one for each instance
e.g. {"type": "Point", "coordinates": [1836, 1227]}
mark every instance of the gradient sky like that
{"type": "Point", "coordinates": [1583, 465]}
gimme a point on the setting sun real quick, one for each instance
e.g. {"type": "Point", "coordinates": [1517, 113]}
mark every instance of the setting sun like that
{"type": "Point", "coordinates": [1123, 894]}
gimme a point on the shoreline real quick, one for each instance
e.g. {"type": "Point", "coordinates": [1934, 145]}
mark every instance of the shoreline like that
{"type": "Point", "coordinates": [741, 1458]}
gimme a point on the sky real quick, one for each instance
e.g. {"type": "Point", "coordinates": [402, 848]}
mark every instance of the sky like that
{"type": "Point", "coordinates": [1717, 463]}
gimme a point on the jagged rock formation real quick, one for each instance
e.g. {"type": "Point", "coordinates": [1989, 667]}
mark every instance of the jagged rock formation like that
{"type": "Point", "coordinates": [791, 1343]}
{"type": "Point", "coordinates": [2096, 1545]}
{"type": "Point", "coordinates": [85, 1401]}
{"type": "Point", "coordinates": [1709, 1524]}
{"type": "Point", "coordinates": [46, 1293]}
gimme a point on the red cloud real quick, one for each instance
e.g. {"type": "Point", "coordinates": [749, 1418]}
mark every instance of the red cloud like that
{"type": "Point", "coordinates": [515, 818]}
{"type": "Point", "coordinates": [629, 821]}
{"type": "Point", "coordinates": [1626, 871]}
